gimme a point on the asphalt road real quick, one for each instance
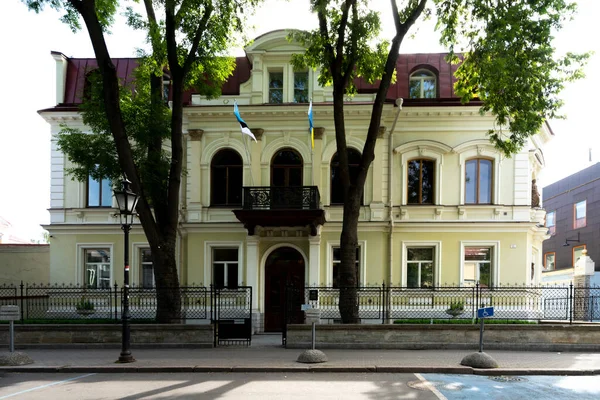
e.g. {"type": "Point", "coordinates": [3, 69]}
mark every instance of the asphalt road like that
{"type": "Point", "coordinates": [314, 386]}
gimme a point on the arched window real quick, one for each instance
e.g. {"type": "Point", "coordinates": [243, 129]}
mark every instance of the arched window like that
{"type": "Point", "coordinates": [478, 181]}
{"type": "Point", "coordinates": [337, 188]}
{"type": "Point", "coordinates": [422, 85]}
{"type": "Point", "coordinates": [226, 179]}
{"type": "Point", "coordinates": [286, 169]}
{"type": "Point", "coordinates": [420, 181]}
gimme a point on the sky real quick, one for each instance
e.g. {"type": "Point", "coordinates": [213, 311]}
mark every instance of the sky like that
{"type": "Point", "coordinates": [28, 75]}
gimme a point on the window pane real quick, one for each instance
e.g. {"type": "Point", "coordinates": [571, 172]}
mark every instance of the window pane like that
{"type": "Point", "coordinates": [485, 275]}
{"type": "Point", "coordinates": [106, 193]}
{"type": "Point", "coordinates": [218, 275]}
{"type": "Point", "coordinates": [412, 275]}
{"type": "Point", "coordinates": [146, 255]}
{"type": "Point", "coordinates": [232, 275]}
{"type": "Point", "coordinates": [470, 181]}
{"type": "Point", "coordinates": [414, 89]}
{"type": "Point", "coordinates": [301, 87]}
{"type": "Point", "coordinates": [295, 178]}
{"type": "Point", "coordinates": [276, 87]}
{"type": "Point", "coordinates": [234, 185]}
{"type": "Point", "coordinates": [225, 254]}
{"type": "Point", "coordinates": [218, 187]}
{"type": "Point", "coordinates": [427, 182]}
{"type": "Point", "coordinates": [414, 174]}
{"type": "Point", "coordinates": [426, 275]}
{"type": "Point", "coordinates": [428, 88]}
{"type": "Point", "coordinates": [97, 255]}
{"type": "Point", "coordinates": [93, 192]}
{"type": "Point", "coordinates": [549, 262]}
{"type": "Point", "coordinates": [147, 276]}
{"type": "Point", "coordinates": [478, 254]}
{"type": "Point", "coordinates": [420, 254]}
{"type": "Point", "coordinates": [485, 181]}
{"type": "Point", "coordinates": [580, 210]}
{"type": "Point", "coordinates": [550, 219]}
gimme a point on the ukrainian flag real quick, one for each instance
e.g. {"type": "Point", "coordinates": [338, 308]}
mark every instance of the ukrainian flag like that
{"type": "Point", "coordinates": [310, 124]}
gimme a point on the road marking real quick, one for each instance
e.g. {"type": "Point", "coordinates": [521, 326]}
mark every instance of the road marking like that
{"type": "Point", "coordinates": [431, 387]}
{"type": "Point", "coordinates": [45, 386]}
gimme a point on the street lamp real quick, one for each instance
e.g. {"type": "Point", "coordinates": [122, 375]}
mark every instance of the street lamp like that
{"type": "Point", "coordinates": [126, 200]}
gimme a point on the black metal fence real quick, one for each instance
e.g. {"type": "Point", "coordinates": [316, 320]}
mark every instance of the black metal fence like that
{"type": "Point", "coordinates": [531, 303]}
{"type": "Point", "coordinates": [58, 302]}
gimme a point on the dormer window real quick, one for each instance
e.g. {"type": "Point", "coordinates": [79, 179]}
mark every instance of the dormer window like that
{"type": "Point", "coordinates": [300, 87]}
{"type": "Point", "coordinates": [422, 85]}
{"type": "Point", "coordinates": [276, 87]}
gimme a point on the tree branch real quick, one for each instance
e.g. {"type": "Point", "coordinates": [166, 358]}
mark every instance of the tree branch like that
{"type": "Point", "coordinates": [191, 57]}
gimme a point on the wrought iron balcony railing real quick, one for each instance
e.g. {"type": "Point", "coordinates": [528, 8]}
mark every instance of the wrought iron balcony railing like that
{"type": "Point", "coordinates": [281, 198]}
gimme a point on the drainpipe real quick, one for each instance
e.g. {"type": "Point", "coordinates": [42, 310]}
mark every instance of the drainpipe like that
{"type": "Point", "coordinates": [398, 103]}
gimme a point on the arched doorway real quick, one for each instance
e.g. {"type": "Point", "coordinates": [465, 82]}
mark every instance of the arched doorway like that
{"type": "Point", "coordinates": [284, 267]}
{"type": "Point", "coordinates": [286, 169]}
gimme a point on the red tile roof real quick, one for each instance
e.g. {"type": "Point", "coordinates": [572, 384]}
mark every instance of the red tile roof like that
{"type": "Point", "coordinates": [78, 68]}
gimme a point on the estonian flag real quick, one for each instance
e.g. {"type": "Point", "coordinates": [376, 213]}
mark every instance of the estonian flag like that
{"type": "Point", "coordinates": [243, 124]}
{"type": "Point", "coordinates": [310, 125]}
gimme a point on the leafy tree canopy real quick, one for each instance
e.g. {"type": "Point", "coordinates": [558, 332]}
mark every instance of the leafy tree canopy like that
{"type": "Point", "coordinates": [507, 60]}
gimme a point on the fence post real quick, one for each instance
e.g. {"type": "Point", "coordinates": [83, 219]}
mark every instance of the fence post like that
{"type": "Point", "coordinates": [116, 288]}
{"type": "Point", "coordinates": [571, 300]}
{"type": "Point", "coordinates": [383, 299]}
{"type": "Point", "coordinates": [22, 303]}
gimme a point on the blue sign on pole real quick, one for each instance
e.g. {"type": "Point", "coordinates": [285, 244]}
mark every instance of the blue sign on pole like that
{"type": "Point", "coordinates": [485, 312]}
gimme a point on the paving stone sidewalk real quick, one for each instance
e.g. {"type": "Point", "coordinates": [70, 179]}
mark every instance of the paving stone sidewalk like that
{"type": "Point", "coordinates": [268, 355]}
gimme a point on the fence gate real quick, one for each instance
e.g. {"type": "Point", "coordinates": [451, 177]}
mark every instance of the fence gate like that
{"type": "Point", "coordinates": [232, 315]}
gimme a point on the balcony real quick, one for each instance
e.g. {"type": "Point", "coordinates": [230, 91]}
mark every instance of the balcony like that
{"type": "Point", "coordinates": [281, 206]}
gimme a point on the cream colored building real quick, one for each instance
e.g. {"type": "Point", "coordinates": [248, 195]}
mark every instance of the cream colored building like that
{"type": "Point", "coordinates": [441, 205]}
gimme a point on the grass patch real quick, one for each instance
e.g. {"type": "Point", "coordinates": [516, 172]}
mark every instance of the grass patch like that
{"type": "Point", "coordinates": [427, 321]}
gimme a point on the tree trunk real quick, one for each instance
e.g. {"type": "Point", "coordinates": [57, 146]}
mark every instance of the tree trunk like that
{"type": "Point", "coordinates": [168, 295]}
{"type": "Point", "coordinates": [348, 243]}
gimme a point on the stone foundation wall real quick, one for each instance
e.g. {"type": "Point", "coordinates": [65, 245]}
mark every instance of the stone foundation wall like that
{"type": "Point", "coordinates": [506, 337]}
{"type": "Point", "coordinates": [108, 335]}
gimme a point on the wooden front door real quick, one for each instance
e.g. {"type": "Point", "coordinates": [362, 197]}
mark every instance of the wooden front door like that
{"type": "Point", "coordinates": [284, 267]}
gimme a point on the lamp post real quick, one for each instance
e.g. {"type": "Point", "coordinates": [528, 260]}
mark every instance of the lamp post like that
{"type": "Point", "coordinates": [126, 200]}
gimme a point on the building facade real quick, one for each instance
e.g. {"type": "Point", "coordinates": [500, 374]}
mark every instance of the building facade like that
{"type": "Point", "coordinates": [441, 206]}
{"type": "Point", "coordinates": [573, 219]}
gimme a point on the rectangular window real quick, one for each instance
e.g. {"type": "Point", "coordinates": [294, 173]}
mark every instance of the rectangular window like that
{"type": "Point", "coordinates": [419, 267]}
{"type": "Point", "coordinates": [337, 259]}
{"type": "Point", "coordinates": [97, 268]}
{"type": "Point", "coordinates": [477, 266]}
{"type": "Point", "coordinates": [225, 268]}
{"type": "Point", "coordinates": [578, 252]}
{"type": "Point", "coordinates": [300, 87]}
{"type": "Point", "coordinates": [579, 215]}
{"type": "Point", "coordinates": [99, 193]}
{"type": "Point", "coordinates": [146, 268]}
{"type": "Point", "coordinates": [276, 87]}
{"type": "Point", "coordinates": [478, 181]}
{"type": "Point", "coordinates": [551, 222]}
{"type": "Point", "coordinates": [420, 182]}
{"type": "Point", "coordinates": [549, 261]}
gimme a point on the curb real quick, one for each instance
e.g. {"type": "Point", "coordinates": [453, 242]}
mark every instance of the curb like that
{"type": "Point", "coordinates": [301, 369]}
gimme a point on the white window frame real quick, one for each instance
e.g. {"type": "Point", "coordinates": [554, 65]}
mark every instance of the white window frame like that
{"type": "Point", "coordinates": [421, 79]}
{"type": "Point", "coordinates": [80, 249]}
{"type": "Point", "coordinates": [479, 149]}
{"type": "Point", "coordinates": [495, 266]}
{"type": "Point", "coordinates": [135, 268]}
{"type": "Point", "coordinates": [362, 244]}
{"type": "Point", "coordinates": [293, 88]}
{"type": "Point", "coordinates": [422, 149]}
{"type": "Point", "coordinates": [437, 251]}
{"type": "Point", "coordinates": [208, 259]}
{"type": "Point", "coordinates": [276, 69]}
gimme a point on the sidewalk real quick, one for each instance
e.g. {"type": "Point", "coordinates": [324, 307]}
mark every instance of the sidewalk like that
{"type": "Point", "coordinates": [267, 355]}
